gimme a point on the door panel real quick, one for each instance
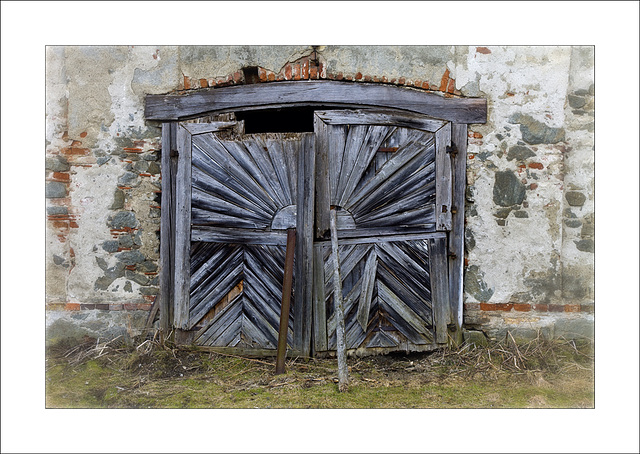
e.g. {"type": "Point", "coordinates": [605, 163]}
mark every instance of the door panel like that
{"type": "Point", "coordinates": [388, 175]}
{"type": "Point", "coordinates": [241, 195]}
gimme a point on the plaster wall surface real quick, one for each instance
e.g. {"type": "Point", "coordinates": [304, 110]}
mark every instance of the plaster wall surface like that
{"type": "Point", "coordinates": [530, 184]}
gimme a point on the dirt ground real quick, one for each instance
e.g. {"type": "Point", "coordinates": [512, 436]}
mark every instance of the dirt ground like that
{"type": "Point", "coordinates": [539, 374]}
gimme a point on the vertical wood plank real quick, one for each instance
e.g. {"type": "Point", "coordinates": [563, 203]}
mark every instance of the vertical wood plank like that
{"type": "Point", "coordinates": [183, 229]}
{"type": "Point", "coordinates": [322, 177]}
{"type": "Point", "coordinates": [165, 277]}
{"type": "Point", "coordinates": [439, 287]}
{"type": "Point", "coordinates": [304, 245]}
{"type": "Point", "coordinates": [456, 238]}
{"type": "Point", "coordinates": [319, 305]}
{"type": "Point", "coordinates": [443, 178]}
{"type": "Point", "coordinates": [368, 282]}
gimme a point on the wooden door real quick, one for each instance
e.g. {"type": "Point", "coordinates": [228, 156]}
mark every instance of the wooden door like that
{"type": "Point", "coordinates": [236, 196]}
{"type": "Point", "coordinates": [389, 177]}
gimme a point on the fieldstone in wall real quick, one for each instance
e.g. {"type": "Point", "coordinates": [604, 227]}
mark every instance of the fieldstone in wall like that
{"type": "Point", "coordinates": [534, 132]}
{"type": "Point", "coordinates": [508, 190]}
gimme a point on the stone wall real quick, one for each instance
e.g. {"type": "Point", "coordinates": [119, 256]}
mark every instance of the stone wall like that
{"type": "Point", "coordinates": [529, 215]}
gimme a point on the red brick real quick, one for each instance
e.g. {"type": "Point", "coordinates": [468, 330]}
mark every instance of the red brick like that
{"type": "Point", "coordinates": [287, 71]}
{"type": "Point", "coordinates": [496, 307]}
{"type": "Point", "coordinates": [322, 70]}
{"type": "Point", "coordinates": [541, 307]}
{"type": "Point", "coordinates": [304, 69]}
{"type": "Point", "coordinates": [536, 165]}
{"type": "Point", "coordinates": [313, 72]}
{"type": "Point", "coordinates": [296, 71]}
{"type": "Point", "coordinates": [401, 81]}
{"type": "Point", "coordinates": [262, 74]}
{"type": "Point", "coordinates": [72, 307]}
{"type": "Point", "coordinates": [376, 79]}
{"type": "Point", "coordinates": [187, 83]}
{"type": "Point", "coordinates": [73, 224]}
{"type": "Point", "coordinates": [522, 307]}
{"type": "Point", "coordinates": [339, 76]}
{"type": "Point", "coordinates": [385, 80]}
{"type": "Point", "coordinates": [451, 86]}
{"type": "Point", "coordinates": [425, 85]}
{"type": "Point", "coordinates": [367, 78]}
{"type": "Point", "coordinates": [556, 308]}
{"type": "Point", "coordinates": [115, 307]}
{"type": "Point", "coordinates": [444, 81]}
{"type": "Point", "coordinates": [483, 50]}
{"type": "Point", "coordinates": [61, 176]}
{"type": "Point", "coordinates": [87, 307]}
{"type": "Point", "coordinates": [83, 134]}
{"type": "Point", "coordinates": [572, 308]}
{"type": "Point", "coordinates": [358, 75]}
{"type": "Point", "coordinates": [237, 77]}
{"type": "Point", "coordinates": [271, 76]}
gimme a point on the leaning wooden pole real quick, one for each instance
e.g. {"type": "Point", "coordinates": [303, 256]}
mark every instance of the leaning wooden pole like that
{"type": "Point", "coordinates": [281, 353]}
{"type": "Point", "coordinates": [343, 373]}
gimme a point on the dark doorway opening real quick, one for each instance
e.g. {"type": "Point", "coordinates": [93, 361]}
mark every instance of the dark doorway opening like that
{"type": "Point", "coordinates": [293, 119]}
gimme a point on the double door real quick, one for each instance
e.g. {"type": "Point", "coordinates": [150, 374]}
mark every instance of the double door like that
{"type": "Point", "coordinates": [387, 175]}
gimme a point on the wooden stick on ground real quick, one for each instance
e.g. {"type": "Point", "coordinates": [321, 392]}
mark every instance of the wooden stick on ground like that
{"type": "Point", "coordinates": [343, 378]}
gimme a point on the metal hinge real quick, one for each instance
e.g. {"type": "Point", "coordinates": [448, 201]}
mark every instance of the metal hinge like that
{"type": "Point", "coordinates": [452, 150]}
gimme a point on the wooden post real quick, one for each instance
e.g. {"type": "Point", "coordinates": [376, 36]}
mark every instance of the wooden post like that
{"type": "Point", "coordinates": [343, 378]}
{"type": "Point", "coordinates": [286, 302]}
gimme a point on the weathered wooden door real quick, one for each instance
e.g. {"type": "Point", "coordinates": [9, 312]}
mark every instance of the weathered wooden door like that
{"type": "Point", "coordinates": [389, 177]}
{"type": "Point", "coordinates": [236, 196]}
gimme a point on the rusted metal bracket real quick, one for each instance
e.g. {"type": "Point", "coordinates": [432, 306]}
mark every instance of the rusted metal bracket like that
{"type": "Point", "coordinates": [281, 353]}
{"type": "Point", "coordinates": [452, 255]}
{"type": "Point", "coordinates": [452, 150]}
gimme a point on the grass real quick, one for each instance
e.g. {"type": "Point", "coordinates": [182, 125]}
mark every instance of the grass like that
{"type": "Point", "coordinates": [540, 374]}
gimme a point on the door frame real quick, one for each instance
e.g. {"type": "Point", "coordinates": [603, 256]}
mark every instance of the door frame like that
{"type": "Point", "coordinates": [172, 108]}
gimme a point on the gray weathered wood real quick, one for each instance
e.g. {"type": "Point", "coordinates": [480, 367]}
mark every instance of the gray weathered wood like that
{"type": "Point", "coordinates": [202, 128]}
{"type": "Point", "coordinates": [245, 97]}
{"type": "Point", "coordinates": [380, 117]}
{"type": "Point", "coordinates": [368, 282]}
{"type": "Point", "coordinates": [440, 287]}
{"type": "Point", "coordinates": [183, 229]}
{"type": "Point", "coordinates": [319, 305]}
{"type": "Point", "coordinates": [343, 378]}
{"type": "Point", "coordinates": [456, 237]}
{"type": "Point", "coordinates": [166, 217]}
{"type": "Point", "coordinates": [239, 236]}
{"type": "Point", "coordinates": [304, 244]}
{"type": "Point", "coordinates": [443, 179]}
{"type": "Point", "coordinates": [323, 193]}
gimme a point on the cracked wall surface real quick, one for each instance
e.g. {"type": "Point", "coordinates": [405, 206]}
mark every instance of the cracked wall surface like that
{"type": "Point", "coordinates": [530, 170]}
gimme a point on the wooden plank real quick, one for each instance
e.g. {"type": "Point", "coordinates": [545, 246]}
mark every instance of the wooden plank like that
{"type": "Point", "coordinates": [303, 93]}
{"type": "Point", "coordinates": [368, 282]}
{"type": "Point", "coordinates": [380, 117]}
{"type": "Point", "coordinates": [203, 128]}
{"type": "Point", "coordinates": [343, 379]}
{"type": "Point", "coordinates": [440, 287]}
{"type": "Point", "coordinates": [183, 229]}
{"type": "Point", "coordinates": [258, 148]}
{"type": "Point", "coordinates": [166, 217]}
{"type": "Point", "coordinates": [233, 165]}
{"type": "Point", "coordinates": [304, 245]}
{"type": "Point", "coordinates": [319, 305]}
{"type": "Point", "coordinates": [407, 158]}
{"type": "Point", "coordinates": [456, 237]}
{"type": "Point", "coordinates": [375, 136]}
{"type": "Point", "coordinates": [322, 179]}
{"type": "Point", "coordinates": [443, 179]}
{"type": "Point", "coordinates": [378, 235]}
{"type": "Point", "coordinates": [354, 142]}
{"type": "Point", "coordinates": [238, 236]}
